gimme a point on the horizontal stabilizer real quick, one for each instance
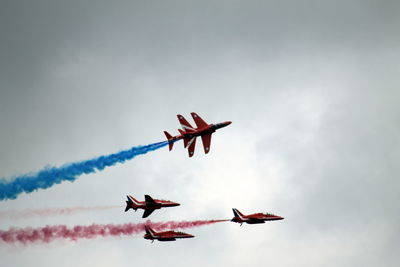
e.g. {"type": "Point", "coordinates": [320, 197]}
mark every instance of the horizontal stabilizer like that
{"type": "Point", "coordinates": [128, 206]}
{"type": "Point", "coordinates": [170, 140]}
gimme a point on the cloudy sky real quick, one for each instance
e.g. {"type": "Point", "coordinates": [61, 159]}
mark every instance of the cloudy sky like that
{"type": "Point", "coordinates": [312, 88]}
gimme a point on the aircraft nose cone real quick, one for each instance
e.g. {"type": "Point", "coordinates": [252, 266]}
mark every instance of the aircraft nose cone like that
{"type": "Point", "coordinates": [228, 122]}
{"type": "Point", "coordinates": [280, 218]}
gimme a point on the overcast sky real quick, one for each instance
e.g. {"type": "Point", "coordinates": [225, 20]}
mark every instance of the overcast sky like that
{"type": "Point", "coordinates": [312, 89]}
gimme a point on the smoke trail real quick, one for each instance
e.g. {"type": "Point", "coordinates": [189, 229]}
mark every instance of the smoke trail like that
{"type": "Point", "coordinates": [58, 232]}
{"type": "Point", "coordinates": [12, 214]}
{"type": "Point", "coordinates": [69, 172]}
{"type": "Point", "coordinates": [158, 226]}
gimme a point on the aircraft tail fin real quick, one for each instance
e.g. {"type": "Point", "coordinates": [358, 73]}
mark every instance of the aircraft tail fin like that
{"type": "Point", "coordinates": [149, 231]}
{"type": "Point", "coordinates": [131, 203]}
{"type": "Point", "coordinates": [134, 200]}
{"type": "Point", "coordinates": [237, 213]}
{"type": "Point", "coordinates": [170, 138]}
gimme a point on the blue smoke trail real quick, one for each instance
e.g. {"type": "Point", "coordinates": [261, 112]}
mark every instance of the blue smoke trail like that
{"type": "Point", "coordinates": [69, 172]}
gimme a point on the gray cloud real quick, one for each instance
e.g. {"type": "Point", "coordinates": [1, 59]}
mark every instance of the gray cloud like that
{"type": "Point", "coordinates": [311, 88]}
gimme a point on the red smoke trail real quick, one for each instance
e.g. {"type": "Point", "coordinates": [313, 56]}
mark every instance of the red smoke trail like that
{"type": "Point", "coordinates": [51, 211]}
{"type": "Point", "coordinates": [158, 226]}
{"type": "Point", "coordinates": [50, 233]}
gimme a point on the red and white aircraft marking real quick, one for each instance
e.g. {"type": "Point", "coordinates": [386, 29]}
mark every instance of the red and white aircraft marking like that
{"type": "Point", "coordinates": [164, 236]}
{"type": "Point", "coordinates": [254, 218]}
{"type": "Point", "coordinates": [149, 205]}
{"type": "Point", "coordinates": [189, 134]}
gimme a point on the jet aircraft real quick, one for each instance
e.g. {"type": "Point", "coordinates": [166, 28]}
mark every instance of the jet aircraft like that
{"type": "Point", "coordinates": [149, 205]}
{"type": "Point", "coordinates": [164, 236]}
{"type": "Point", "coordinates": [253, 218]}
{"type": "Point", "coordinates": [189, 134]}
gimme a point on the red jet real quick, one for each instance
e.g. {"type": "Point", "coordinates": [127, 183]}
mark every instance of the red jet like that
{"type": "Point", "coordinates": [164, 236]}
{"type": "Point", "coordinates": [149, 205]}
{"type": "Point", "coordinates": [189, 134]}
{"type": "Point", "coordinates": [253, 218]}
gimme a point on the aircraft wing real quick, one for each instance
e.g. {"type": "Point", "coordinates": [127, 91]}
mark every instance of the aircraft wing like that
{"type": "Point", "coordinates": [206, 142]}
{"type": "Point", "coordinates": [185, 142]}
{"type": "Point", "coordinates": [185, 124]}
{"type": "Point", "coordinates": [200, 123]}
{"type": "Point", "coordinates": [147, 213]}
{"type": "Point", "coordinates": [149, 200]}
{"type": "Point", "coordinates": [191, 146]}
